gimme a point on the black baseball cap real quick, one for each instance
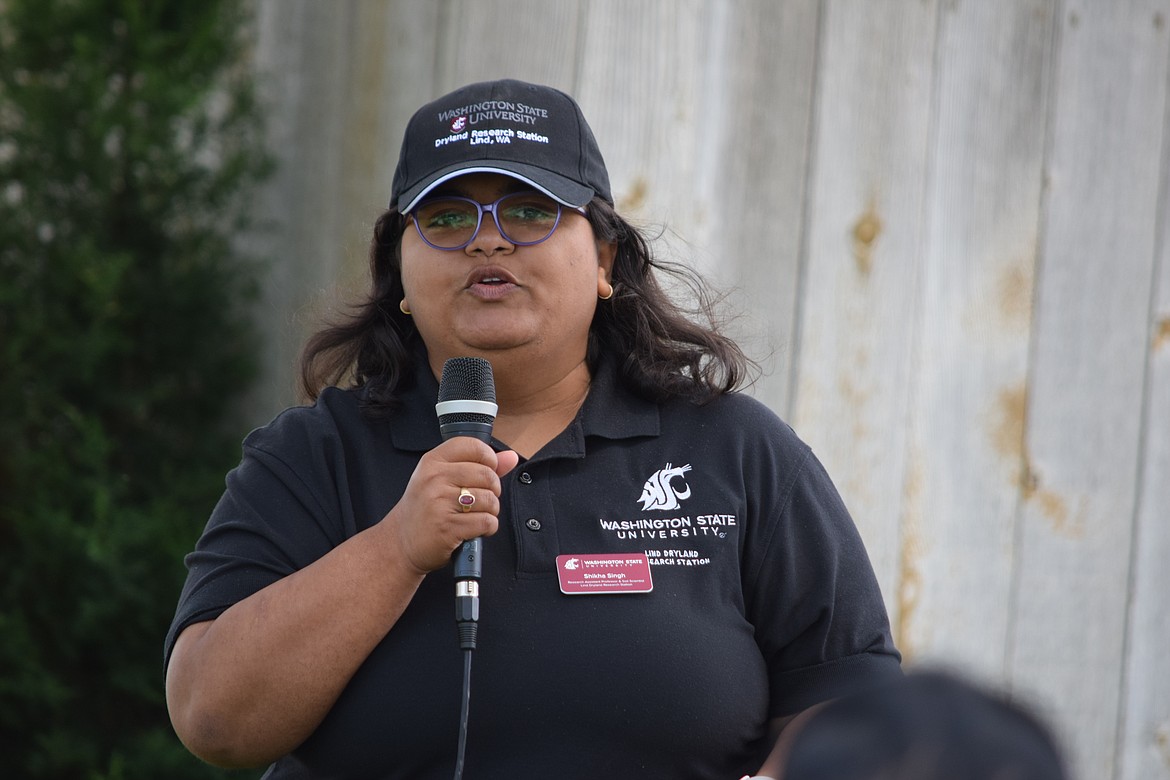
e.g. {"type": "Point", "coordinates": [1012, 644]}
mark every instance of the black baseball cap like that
{"type": "Point", "coordinates": [527, 131]}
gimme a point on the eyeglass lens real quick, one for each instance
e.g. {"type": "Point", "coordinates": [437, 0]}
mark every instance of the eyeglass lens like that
{"type": "Point", "coordinates": [522, 218]}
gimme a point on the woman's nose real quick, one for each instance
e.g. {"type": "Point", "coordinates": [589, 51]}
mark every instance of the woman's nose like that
{"type": "Point", "coordinates": [489, 239]}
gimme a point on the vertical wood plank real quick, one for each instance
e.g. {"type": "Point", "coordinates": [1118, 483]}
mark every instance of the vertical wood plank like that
{"type": "Point", "coordinates": [865, 236]}
{"type": "Point", "coordinates": [533, 40]}
{"type": "Point", "coordinates": [302, 83]}
{"type": "Point", "coordinates": [1144, 741]}
{"type": "Point", "coordinates": [1089, 360]}
{"type": "Point", "coordinates": [967, 421]}
{"type": "Point", "coordinates": [386, 83]}
{"type": "Point", "coordinates": [641, 85]}
{"type": "Point", "coordinates": [755, 182]}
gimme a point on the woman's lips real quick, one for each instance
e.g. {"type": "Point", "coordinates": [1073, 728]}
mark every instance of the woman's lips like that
{"type": "Point", "coordinates": [490, 283]}
{"type": "Point", "coordinates": [491, 289]}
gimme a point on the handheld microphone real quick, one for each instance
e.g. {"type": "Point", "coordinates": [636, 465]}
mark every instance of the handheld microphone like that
{"type": "Point", "coordinates": [467, 407]}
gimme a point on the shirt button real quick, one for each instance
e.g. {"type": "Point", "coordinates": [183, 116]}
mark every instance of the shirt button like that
{"type": "Point", "coordinates": [533, 524]}
{"type": "Point", "coordinates": [526, 478]}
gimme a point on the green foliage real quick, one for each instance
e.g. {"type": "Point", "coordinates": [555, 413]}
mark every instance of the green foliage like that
{"type": "Point", "coordinates": [129, 138]}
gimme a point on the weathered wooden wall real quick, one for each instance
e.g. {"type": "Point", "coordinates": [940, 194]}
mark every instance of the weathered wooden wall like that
{"type": "Point", "coordinates": [947, 223]}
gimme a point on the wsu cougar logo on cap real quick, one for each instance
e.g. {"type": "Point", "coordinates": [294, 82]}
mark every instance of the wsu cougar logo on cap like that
{"type": "Point", "coordinates": [662, 490]}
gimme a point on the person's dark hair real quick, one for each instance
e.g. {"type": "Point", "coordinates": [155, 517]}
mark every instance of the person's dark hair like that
{"type": "Point", "coordinates": [666, 350]}
{"type": "Point", "coordinates": [926, 726]}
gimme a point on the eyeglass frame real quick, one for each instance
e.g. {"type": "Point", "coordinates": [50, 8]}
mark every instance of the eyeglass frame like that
{"type": "Point", "coordinates": [491, 208]}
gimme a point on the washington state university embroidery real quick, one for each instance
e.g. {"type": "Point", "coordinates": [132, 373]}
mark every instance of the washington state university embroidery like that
{"type": "Point", "coordinates": [661, 491]}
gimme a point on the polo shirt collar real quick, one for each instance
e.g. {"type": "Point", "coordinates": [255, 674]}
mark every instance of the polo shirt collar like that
{"type": "Point", "coordinates": [414, 425]}
{"type": "Point", "coordinates": [610, 411]}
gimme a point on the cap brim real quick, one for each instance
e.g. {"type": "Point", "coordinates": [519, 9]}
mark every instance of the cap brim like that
{"type": "Point", "coordinates": [564, 191]}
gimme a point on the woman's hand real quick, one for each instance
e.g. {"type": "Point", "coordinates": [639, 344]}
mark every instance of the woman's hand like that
{"type": "Point", "coordinates": [428, 523]}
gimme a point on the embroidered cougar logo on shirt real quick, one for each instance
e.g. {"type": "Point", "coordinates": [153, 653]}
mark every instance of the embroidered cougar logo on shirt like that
{"type": "Point", "coordinates": [660, 491]}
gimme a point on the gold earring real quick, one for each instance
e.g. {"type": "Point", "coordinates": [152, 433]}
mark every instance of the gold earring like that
{"type": "Point", "coordinates": [404, 307]}
{"type": "Point", "coordinates": [608, 295]}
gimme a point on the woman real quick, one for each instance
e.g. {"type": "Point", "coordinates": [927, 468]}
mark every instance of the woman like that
{"type": "Point", "coordinates": [315, 630]}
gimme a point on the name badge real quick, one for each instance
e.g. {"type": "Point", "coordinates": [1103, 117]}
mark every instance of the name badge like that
{"type": "Point", "coordinates": [605, 573]}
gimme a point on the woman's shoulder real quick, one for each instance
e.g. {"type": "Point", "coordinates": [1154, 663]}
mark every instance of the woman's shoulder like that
{"type": "Point", "coordinates": [334, 412]}
{"type": "Point", "coordinates": [735, 428]}
{"type": "Point", "coordinates": [735, 412]}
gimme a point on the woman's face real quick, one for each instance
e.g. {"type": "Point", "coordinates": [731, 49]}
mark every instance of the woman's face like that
{"type": "Point", "coordinates": [491, 296]}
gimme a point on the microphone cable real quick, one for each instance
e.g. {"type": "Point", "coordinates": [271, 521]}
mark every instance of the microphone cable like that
{"type": "Point", "coordinates": [464, 710]}
{"type": "Point", "coordinates": [468, 569]}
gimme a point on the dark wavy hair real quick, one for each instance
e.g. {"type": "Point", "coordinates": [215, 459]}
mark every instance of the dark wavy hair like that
{"type": "Point", "coordinates": [667, 350]}
{"type": "Point", "coordinates": [927, 725]}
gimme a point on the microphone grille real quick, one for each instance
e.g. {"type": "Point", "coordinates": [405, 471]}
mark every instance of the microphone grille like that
{"type": "Point", "coordinates": [467, 378]}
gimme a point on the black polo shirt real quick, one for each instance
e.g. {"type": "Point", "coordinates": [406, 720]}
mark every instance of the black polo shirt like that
{"type": "Point", "coordinates": [763, 602]}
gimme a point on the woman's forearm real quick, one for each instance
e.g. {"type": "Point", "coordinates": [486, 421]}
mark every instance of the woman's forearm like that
{"type": "Point", "coordinates": [251, 685]}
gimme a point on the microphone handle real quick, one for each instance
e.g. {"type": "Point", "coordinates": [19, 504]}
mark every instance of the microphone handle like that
{"type": "Point", "coordinates": [469, 558]}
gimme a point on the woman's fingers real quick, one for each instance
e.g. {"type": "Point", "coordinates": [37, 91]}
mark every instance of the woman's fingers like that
{"type": "Point", "coordinates": [452, 496]}
{"type": "Point", "coordinates": [506, 461]}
